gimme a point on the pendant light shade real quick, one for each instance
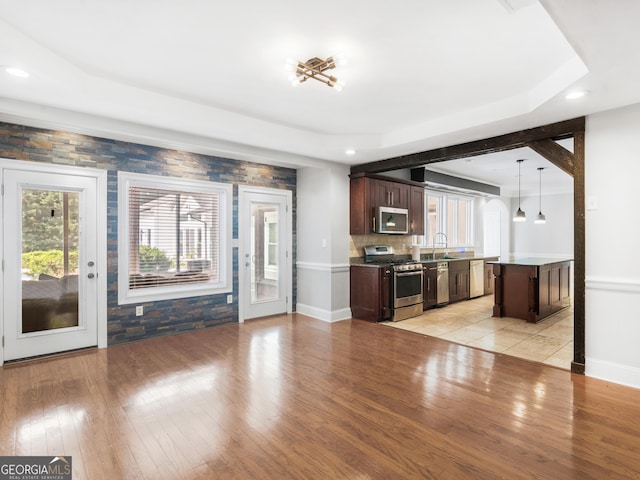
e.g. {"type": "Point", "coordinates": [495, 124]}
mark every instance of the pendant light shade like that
{"type": "Point", "coordinates": [519, 216]}
{"type": "Point", "coordinates": [540, 218]}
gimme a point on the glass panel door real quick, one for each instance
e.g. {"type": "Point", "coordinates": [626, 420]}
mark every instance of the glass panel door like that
{"type": "Point", "coordinates": [265, 267]}
{"type": "Point", "coordinates": [49, 248]}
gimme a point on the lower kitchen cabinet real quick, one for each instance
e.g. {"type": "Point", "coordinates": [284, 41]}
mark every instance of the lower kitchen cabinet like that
{"type": "Point", "coordinates": [458, 280]}
{"type": "Point", "coordinates": [370, 293]}
{"type": "Point", "coordinates": [532, 288]}
{"type": "Point", "coordinates": [489, 278]}
{"type": "Point", "coordinates": [430, 285]}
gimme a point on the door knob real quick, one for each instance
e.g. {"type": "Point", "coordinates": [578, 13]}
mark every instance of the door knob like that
{"type": "Point", "coordinates": [91, 275]}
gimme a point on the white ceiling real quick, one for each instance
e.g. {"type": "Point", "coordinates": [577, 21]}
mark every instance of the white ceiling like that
{"type": "Point", "coordinates": [209, 76]}
{"type": "Point", "coordinates": [501, 169]}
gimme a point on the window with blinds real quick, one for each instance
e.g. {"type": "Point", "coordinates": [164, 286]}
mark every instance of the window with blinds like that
{"type": "Point", "coordinates": [174, 234]}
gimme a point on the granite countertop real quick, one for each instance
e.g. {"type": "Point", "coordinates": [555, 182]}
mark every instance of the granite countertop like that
{"type": "Point", "coordinates": [453, 259]}
{"type": "Point", "coordinates": [359, 261]}
{"type": "Point", "coordinates": [531, 261]}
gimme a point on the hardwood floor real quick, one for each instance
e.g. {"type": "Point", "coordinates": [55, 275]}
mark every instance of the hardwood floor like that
{"type": "Point", "coordinates": [293, 397]}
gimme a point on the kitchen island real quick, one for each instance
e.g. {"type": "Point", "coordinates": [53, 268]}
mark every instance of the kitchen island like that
{"type": "Point", "coordinates": [531, 288]}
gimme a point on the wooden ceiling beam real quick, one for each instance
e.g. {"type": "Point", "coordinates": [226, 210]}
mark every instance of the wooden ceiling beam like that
{"type": "Point", "coordinates": [555, 153]}
{"type": "Point", "coordinates": [500, 143]}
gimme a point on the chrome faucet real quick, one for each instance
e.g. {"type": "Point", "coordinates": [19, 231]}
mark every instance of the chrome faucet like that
{"type": "Point", "coordinates": [446, 246]}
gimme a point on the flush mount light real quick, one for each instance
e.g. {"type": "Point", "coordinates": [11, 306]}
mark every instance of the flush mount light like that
{"type": "Point", "coordinates": [16, 72]}
{"type": "Point", "coordinates": [575, 95]}
{"type": "Point", "coordinates": [519, 215]}
{"type": "Point", "coordinates": [350, 151]}
{"type": "Point", "coordinates": [316, 69]}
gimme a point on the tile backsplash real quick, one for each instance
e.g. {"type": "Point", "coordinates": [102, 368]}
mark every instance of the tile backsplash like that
{"type": "Point", "coordinates": [401, 245]}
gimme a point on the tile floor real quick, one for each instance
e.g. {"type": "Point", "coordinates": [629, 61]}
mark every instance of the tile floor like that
{"type": "Point", "coordinates": [470, 323]}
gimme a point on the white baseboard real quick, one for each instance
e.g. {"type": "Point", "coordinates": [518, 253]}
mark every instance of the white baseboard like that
{"type": "Point", "coordinates": [613, 372]}
{"type": "Point", "coordinates": [323, 267]}
{"type": "Point", "coordinates": [322, 314]}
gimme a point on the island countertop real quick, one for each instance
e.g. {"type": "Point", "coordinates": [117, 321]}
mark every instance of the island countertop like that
{"type": "Point", "coordinates": [530, 261]}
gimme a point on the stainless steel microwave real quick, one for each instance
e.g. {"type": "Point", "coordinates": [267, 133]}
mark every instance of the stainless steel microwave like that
{"type": "Point", "coordinates": [392, 220]}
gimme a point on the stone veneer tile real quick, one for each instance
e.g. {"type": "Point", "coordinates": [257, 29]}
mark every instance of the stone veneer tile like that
{"type": "Point", "coordinates": [168, 316]}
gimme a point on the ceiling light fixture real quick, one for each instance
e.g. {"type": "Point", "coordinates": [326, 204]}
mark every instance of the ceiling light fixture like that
{"type": "Point", "coordinates": [575, 95]}
{"type": "Point", "coordinates": [16, 72]}
{"type": "Point", "coordinates": [519, 215]}
{"type": "Point", "coordinates": [316, 69]}
{"type": "Point", "coordinates": [540, 218]}
{"type": "Point", "coordinates": [350, 151]}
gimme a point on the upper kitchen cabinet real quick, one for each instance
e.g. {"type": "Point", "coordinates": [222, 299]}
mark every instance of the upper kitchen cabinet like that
{"type": "Point", "coordinates": [416, 210]}
{"type": "Point", "coordinates": [390, 194]}
{"type": "Point", "coordinates": [367, 192]}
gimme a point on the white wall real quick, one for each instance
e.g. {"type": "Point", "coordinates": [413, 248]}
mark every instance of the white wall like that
{"type": "Point", "coordinates": [552, 239]}
{"type": "Point", "coordinates": [612, 172]}
{"type": "Point", "coordinates": [323, 242]}
{"type": "Point", "coordinates": [500, 208]}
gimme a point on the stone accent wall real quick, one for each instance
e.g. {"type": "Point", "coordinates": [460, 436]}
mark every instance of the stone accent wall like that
{"type": "Point", "coordinates": [161, 317]}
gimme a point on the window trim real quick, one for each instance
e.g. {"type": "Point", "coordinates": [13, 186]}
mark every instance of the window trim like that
{"type": "Point", "coordinates": [127, 295]}
{"type": "Point", "coordinates": [443, 200]}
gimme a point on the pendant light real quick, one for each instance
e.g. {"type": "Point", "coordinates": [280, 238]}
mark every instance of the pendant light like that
{"type": "Point", "coordinates": [519, 215]}
{"type": "Point", "coordinates": [540, 218]}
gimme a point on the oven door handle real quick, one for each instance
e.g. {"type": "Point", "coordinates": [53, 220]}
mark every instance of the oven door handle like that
{"type": "Point", "coordinates": [409, 274]}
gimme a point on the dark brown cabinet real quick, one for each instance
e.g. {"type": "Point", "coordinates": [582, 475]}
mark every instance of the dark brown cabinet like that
{"type": "Point", "coordinates": [532, 289]}
{"type": "Point", "coordinates": [370, 294]}
{"type": "Point", "coordinates": [416, 211]}
{"type": "Point", "coordinates": [458, 280]}
{"type": "Point", "coordinates": [489, 278]}
{"type": "Point", "coordinates": [361, 206]}
{"type": "Point", "coordinates": [370, 191]}
{"type": "Point", "coordinates": [554, 288]}
{"type": "Point", "coordinates": [430, 285]}
{"type": "Point", "coordinates": [391, 194]}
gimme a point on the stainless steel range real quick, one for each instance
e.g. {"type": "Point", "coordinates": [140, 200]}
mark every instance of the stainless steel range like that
{"type": "Point", "coordinates": [406, 281]}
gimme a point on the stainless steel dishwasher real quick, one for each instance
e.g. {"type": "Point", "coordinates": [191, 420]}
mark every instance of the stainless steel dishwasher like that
{"type": "Point", "coordinates": [442, 288]}
{"type": "Point", "coordinates": [476, 278]}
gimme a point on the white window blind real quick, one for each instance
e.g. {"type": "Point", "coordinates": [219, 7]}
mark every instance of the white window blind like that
{"type": "Point", "coordinates": [173, 237]}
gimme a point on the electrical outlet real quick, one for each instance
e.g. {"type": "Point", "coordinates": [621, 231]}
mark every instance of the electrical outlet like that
{"type": "Point", "coordinates": [139, 310]}
{"type": "Point", "coordinates": [229, 298]}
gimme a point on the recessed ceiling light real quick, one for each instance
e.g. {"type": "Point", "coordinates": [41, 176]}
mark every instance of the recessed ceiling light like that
{"type": "Point", "coordinates": [16, 72]}
{"type": "Point", "coordinates": [350, 151]}
{"type": "Point", "coordinates": [574, 95]}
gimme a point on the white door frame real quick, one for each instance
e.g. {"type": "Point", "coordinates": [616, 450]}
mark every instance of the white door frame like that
{"type": "Point", "coordinates": [288, 264]}
{"type": "Point", "coordinates": [101, 234]}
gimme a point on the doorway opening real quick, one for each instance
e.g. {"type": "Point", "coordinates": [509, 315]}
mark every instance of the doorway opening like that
{"type": "Point", "coordinates": [542, 140]}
